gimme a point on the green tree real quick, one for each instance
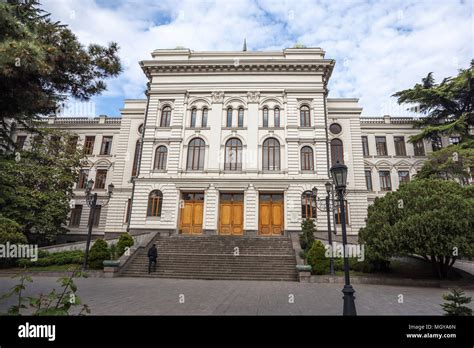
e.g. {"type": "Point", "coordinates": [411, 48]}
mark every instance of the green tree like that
{"type": "Point", "coordinates": [455, 302]}
{"type": "Point", "coordinates": [448, 105]}
{"type": "Point", "coordinates": [431, 218]}
{"type": "Point", "coordinates": [307, 236]}
{"type": "Point", "coordinates": [42, 64]}
{"type": "Point", "coordinates": [452, 162]}
{"type": "Point", "coordinates": [36, 185]}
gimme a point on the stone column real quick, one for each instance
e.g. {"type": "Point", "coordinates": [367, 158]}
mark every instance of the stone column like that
{"type": "Point", "coordinates": [215, 123]}
{"type": "Point", "coordinates": [210, 210]}
{"type": "Point", "coordinates": [253, 117]}
{"type": "Point", "coordinates": [251, 211]}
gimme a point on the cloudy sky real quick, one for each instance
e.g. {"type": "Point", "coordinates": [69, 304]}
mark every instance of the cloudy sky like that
{"type": "Point", "coordinates": [380, 47]}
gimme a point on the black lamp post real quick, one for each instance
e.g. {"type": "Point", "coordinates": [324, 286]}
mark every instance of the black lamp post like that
{"type": "Point", "coordinates": [339, 176]}
{"type": "Point", "coordinates": [327, 209]}
{"type": "Point", "coordinates": [91, 200]}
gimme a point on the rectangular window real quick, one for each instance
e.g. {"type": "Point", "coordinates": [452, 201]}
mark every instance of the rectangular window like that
{"type": "Point", "coordinates": [436, 144]}
{"type": "Point", "coordinates": [265, 118]}
{"type": "Point", "coordinates": [83, 175]}
{"type": "Point", "coordinates": [368, 180]}
{"type": "Point", "coordinates": [76, 213]}
{"type": "Point", "coordinates": [454, 140]}
{"type": "Point", "coordinates": [385, 181]}
{"type": "Point", "coordinates": [419, 148]}
{"type": "Point", "coordinates": [106, 147]}
{"type": "Point", "coordinates": [365, 146]}
{"type": "Point", "coordinates": [338, 215]}
{"type": "Point", "coordinates": [400, 149]}
{"type": "Point", "coordinates": [20, 142]}
{"type": "Point", "coordinates": [403, 176]}
{"type": "Point", "coordinates": [241, 118]}
{"type": "Point", "coordinates": [229, 118]}
{"type": "Point", "coordinates": [72, 144]}
{"type": "Point", "coordinates": [277, 117]}
{"type": "Point", "coordinates": [100, 178]}
{"type": "Point", "coordinates": [89, 145]}
{"type": "Point", "coordinates": [381, 144]}
{"type": "Point", "coordinates": [98, 210]}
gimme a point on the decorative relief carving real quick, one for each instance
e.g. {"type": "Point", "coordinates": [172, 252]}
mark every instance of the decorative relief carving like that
{"type": "Point", "coordinates": [253, 97]}
{"type": "Point", "coordinates": [217, 97]}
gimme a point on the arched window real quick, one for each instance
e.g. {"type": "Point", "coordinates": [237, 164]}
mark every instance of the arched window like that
{"type": "Point", "coordinates": [308, 205]}
{"type": "Point", "coordinates": [155, 201]}
{"type": "Point", "coordinates": [307, 162]}
{"type": "Point", "coordinates": [204, 117]}
{"type": "Point", "coordinates": [233, 154]}
{"type": "Point", "coordinates": [196, 150]}
{"type": "Point", "coordinates": [276, 117]}
{"type": "Point", "coordinates": [229, 117]}
{"type": "Point", "coordinates": [271, 154]}
{"type": "Point", "coordinates": [193, 118]}
{"type": "Point", "coordinates": [241, 118]}
{"type": "Point", "coordinates": [265, 118]}
{"type": "Point", "coordinates": [165, 117]}
{"type": "Point", "coordinates": [305, 120]}
{"type": "Point", "coordinates": [337, 151]}
{"type": "Point", "coordinates": [160, 158]}
{"type": "Point", "coordinates": [136, 158]}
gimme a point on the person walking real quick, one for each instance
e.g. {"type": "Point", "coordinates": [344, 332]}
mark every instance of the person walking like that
{"type": "Point", "coordinates": [152, 256]}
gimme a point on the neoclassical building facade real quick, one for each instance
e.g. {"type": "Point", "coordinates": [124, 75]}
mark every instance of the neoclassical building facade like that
{"type": "Point", "coordinates": [232, 143]}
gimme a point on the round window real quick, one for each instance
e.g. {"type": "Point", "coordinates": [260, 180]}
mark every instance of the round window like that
{"type": "Point", "coordinates": [335, 128]}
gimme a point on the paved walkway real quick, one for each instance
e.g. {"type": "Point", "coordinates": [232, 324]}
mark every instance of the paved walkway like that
{"type": "Point", "coordinates": [135, 296]}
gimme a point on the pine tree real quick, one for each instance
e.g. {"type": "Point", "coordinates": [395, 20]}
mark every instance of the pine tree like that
{"type": "Point", "coordinates": [455, 301]}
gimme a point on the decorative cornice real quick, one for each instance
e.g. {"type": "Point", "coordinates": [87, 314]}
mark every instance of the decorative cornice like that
{"type": "Point", "coordinates": [321, 66]}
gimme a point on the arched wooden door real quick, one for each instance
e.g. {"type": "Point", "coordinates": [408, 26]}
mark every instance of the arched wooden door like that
{"type": "Point", "coordinates": [191, 214]}
{"type": "Point", "coordinates": [271, 211]}
{"type": "Point", "coordinates": [231, 214]}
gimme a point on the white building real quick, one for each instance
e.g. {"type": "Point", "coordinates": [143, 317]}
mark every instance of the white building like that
{"type": "Point", "coordinates": [232, 143]}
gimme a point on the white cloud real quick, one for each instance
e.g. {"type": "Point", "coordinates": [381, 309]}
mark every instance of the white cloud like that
{"type": "Point", "coordinates": [379, 47]}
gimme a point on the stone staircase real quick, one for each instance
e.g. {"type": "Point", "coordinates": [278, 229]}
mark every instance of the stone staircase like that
{"type": "Point", "coordinates": [212, 257]}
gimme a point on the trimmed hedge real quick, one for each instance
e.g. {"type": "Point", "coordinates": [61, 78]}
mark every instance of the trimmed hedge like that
{"type": "Point", "coordinates": [59, 258]}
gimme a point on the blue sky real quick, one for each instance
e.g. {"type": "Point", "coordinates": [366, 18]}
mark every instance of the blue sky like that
{"type": "Point", "coordinates": [380, 47]}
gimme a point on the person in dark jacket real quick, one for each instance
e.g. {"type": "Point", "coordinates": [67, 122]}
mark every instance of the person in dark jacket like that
{"type": "Point", "coordinates": [152, 255]}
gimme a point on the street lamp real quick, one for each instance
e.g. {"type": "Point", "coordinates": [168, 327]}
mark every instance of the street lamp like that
{"type": "Point", "coordinates": [91, 200]}
{"type": "Point", "coordinates": [339, 176]}
{"type": "Point", "coordinates": [327, 208]}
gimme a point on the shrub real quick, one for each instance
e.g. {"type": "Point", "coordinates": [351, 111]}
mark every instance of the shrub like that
{"type": "Point", "coordinates": [125, 241]}
{"type": "Point", "coordinates": [98, 254]}
{"type": "Point", "coordinates": [10, 233]}
{"type": "Point", "coordinates": [307, 237]}
{"type": "Point", "coordinates": [455, 303]}
{"type": "Point", "coordinates": [317, 259]}
{"type": "Point", "coordinates": [59, 258]}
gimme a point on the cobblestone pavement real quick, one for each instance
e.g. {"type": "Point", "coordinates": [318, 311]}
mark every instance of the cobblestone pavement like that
{"type": "Point", "coordinates": [146, 296]}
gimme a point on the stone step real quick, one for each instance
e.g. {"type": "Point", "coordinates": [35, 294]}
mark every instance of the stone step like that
{"type": "Point", "coordinates": [212, 257]}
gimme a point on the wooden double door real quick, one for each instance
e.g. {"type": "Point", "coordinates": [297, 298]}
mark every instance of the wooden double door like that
{"type": "Point", "coordinates": [231, 214]}
{"type": "Point", "coordinates": [271, 208]}
{"type": "Point", "coordinates": [191, 214]}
